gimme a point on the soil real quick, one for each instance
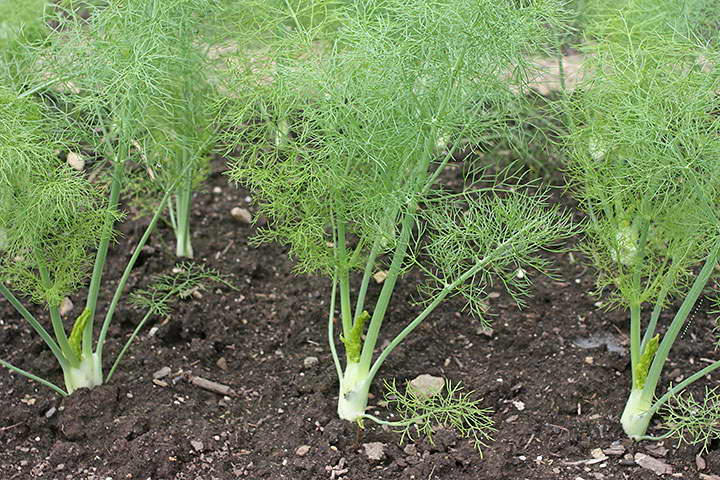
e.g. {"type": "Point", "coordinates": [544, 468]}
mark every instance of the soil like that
{"type": "Point", "coordinates": [554, 403]}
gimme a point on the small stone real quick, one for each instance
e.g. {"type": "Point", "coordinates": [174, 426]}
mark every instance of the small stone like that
{"type": "Point", "coordinates": [700, 462]}
{"type": "Point", "coordinates": [520, 405]}
{"type": "Point", "coordinates": [310, 362]}
{"type": "Point", "coordinates": [217, 190]}
{"type": "Point", "coordinates": [222, 364]}
{"type": "Point", "coordinates": [410, 449]}
{"type": "Point", "coordinates": [162, 373]}
{"type": "Point", "coordinates": [494, 295]}
{"type": "Point", "coordinates": [51, 411]}
{"type": "Point", "coordinates": [241, 215]}
{"type": "Point", "coordinates": [426, 385]}
{"type": "Point", "coordinates": [589, 360]}
{"type": "Point", "coordinates": [511, 419]}
{"type": "Point", "coordinates": [380, 276]}
{"type": "Point", "coordinates": [598, 453]}
{"type": "Point", "coordinates": [66, 306]}
{"type": "Point", "coordinates": [197, 445]}
{"type": "Point", "coordinates": [657, 466]}
{"type": "Point", "coordinates": [302, 450]}
{"type": "Point", "coordinates": [60, 466]}
{"type": "Point", "coordinates": [76, 161]}
{"type": "Point", "coordinates": [374, 450]}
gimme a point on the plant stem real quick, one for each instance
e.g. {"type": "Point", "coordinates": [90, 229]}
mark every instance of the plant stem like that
{"type": "Point", "coordinates": [183, 199]}
{"type": "Point", "coordinates": [101, 255]}
{"type": "Point", "coordinates": [635, 351]}
{"type": "Point", "coordinates": [127, 344]}
{"type": "Point", "coordinates": [481, 263]}
{"type": "Point", "coordinates": [126, 274]}
{"type": "Point", "coordinates": [427, 311]}
{"type": "Point", "coordinates": [56, 322]}
{"type": "Point", "coordinates": [657, 310]}
{"type": "Point", "coordinates": [29, 375]}
{"type": "Point", "coordinates": [54, 347]}
{"type": "Point", "coordinates": [677, 388]}
{"type": "Point", "coordinates": [387, 289]}
{"type": "Point", "coordinates": [344, 280]}
{"type": "Point", "coordinates": [367, 274]}
{"type": "Point", "coordinates": [667, 342]}
{"type": "Point", "coordinates": [331, 331]}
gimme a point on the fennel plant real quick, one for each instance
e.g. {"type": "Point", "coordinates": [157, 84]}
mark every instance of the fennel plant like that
{"type": "Point", "coordinates": [646, 166]}
{"type": "Point", "coordinates": [354, 183]}
{"type": "Point", "coordinates": [105, 80]}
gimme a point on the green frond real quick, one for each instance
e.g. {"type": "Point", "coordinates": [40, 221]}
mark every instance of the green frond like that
{"type": "Point", "coordinates": [452, 408]}
{"type": "Point", "coordinates": [503, 228]}
{"type": "Point", "coordinates": [50, 215]}
{"type": "Point", "coordinates": [165, 289]}
{"type": "Point", "coordinates": [691, 421]}
{"type": "Point", "coordinates": [644, 151]}
{"type": "Point", "coordinates": [362, 112]}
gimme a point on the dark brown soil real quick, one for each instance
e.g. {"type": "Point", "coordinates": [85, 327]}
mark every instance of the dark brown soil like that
{"type": "Point", "coordinates": [554, 402]}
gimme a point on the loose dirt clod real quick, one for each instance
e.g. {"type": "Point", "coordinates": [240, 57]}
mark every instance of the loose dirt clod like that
{"type": "Point", "coordinates": [302, 450]}
{"type": "Point", "coordinates": [310, 362]}
{"type": "Point", "coordinates": [374, 450]}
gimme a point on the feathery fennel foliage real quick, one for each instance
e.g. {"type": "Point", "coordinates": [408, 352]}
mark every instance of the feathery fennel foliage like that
{"type": "Point", "coordinates": [341, 144]}
{"type": "Point", "coordinates": [140, 70]}
{"type": "Point", "coordinates": [451, 408]}
{"type": "Point", "coordinates": [646, 166]}
{"type": "Point", "coordinates": [692, 421]}
{"type": "Point", "coordinates": [21, 23]}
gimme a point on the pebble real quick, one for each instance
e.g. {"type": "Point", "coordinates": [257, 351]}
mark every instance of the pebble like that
{"type": "Point", "coordinates": [302, 450]}
{"type": "Point", "coordinates": [66, 306]}
{"type": "Point", "coordinates": [310, 362]}
{"type": "Point", "coordinates": [426, 385]}
{"type": "Point", "coordinates": [162, 373]}
{"type": "Point", "coordinates": [51, 411]}
{"type": "Point", "coordinates": [241, 214]}
{"type": "Point", "coordinates": [380, 276]}
{"type": "Point", "coordinates": [76, 161]}
{"type": "Point", "coordinates": [197, 445]}
{"type": "Point", "coordinates": [222, 363]}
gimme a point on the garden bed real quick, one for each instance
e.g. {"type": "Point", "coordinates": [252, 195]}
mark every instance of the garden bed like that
{"type": "Point", "coordinates": [555, 404]}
